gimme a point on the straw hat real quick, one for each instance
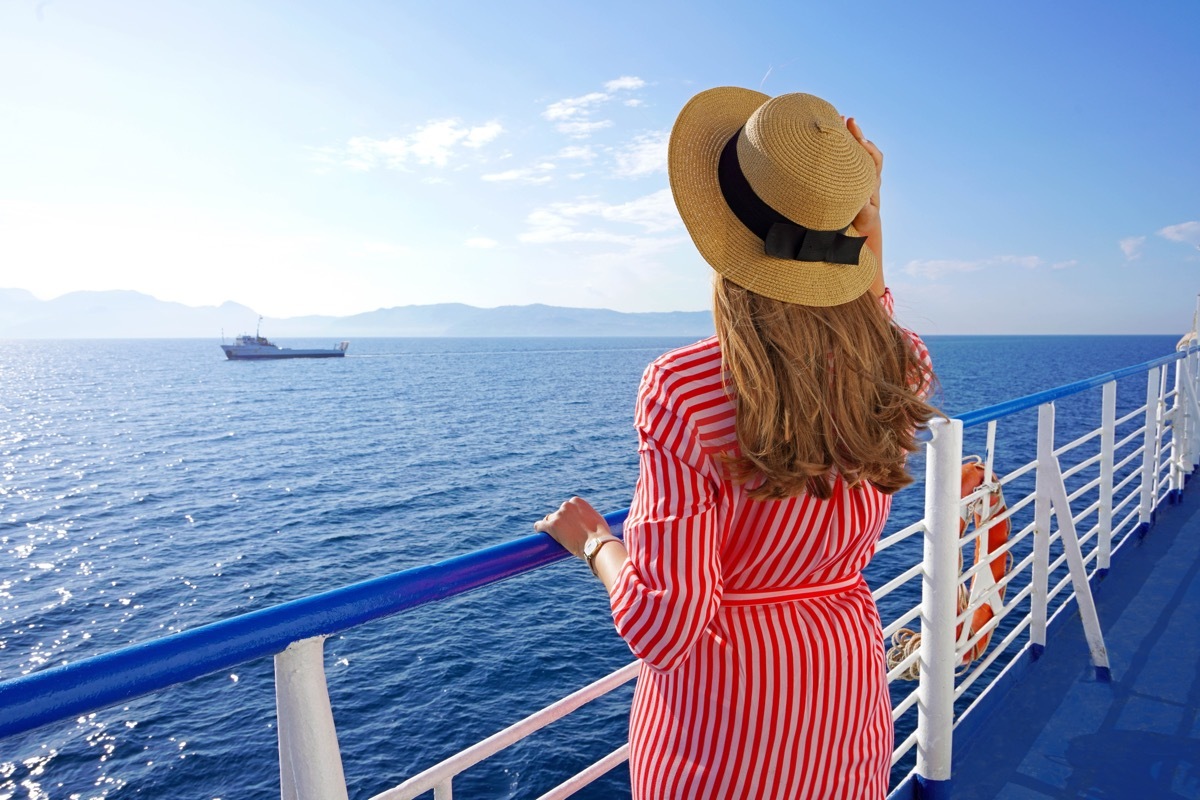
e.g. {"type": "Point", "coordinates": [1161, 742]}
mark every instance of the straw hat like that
{"type": "Point", "coordinates": [767, 187]}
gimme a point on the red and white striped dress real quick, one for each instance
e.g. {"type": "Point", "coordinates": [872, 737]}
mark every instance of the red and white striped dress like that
{"type": "Point", "coordinates": [763, 662]}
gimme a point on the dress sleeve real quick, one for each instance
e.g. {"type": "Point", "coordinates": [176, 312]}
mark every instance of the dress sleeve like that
{"type": "Point", "coordinates": [669, 589]}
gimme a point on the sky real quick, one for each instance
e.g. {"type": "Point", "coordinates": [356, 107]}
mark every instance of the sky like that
{"type": "Point", "coordinates": [304, 157]}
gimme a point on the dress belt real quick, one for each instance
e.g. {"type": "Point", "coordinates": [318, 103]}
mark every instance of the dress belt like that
{"type": "Point", "coordinates": [762, 597]}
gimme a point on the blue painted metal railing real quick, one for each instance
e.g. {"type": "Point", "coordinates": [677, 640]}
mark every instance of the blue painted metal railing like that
{"type": "Point", "coordinates": [88, 685]}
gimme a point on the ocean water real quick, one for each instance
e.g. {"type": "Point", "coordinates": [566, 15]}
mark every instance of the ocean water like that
{"type": "Point", "coordinates": [148, 487]}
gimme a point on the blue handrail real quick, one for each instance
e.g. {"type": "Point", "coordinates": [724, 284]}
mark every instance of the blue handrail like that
{"type": "Point", "coordinates": [989, 413]}
{"type": "Point", "coordinates": [104, 680]}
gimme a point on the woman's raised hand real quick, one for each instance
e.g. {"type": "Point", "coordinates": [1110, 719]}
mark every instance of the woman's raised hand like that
{"type": "Point", "coordinates": [867, 221]}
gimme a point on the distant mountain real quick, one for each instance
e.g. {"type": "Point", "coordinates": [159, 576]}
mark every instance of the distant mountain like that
{"type": "Point", "coordinates": [132, 315]}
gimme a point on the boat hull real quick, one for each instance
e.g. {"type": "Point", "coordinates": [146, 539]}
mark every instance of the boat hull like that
{"type": "Point", "coordinates": [235, 353]}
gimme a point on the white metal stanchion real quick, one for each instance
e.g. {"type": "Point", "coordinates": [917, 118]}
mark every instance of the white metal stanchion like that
{"type": "Point", "coordinates": [1149, 452]}
{"type": "Point", "coordinates": [1050, 482]}
{"type": "Point", "coordinates": [310, 762]}
{"type": "Point", "coordinates": [939, 592]}
{"type": "Point", "coordinates": [1108, 437]}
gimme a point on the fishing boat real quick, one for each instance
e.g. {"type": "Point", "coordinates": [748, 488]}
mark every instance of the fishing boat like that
{"type": "Point", "coordinates": [1079, 679]}
{"type": "Point", "coordinates": [258, 347]}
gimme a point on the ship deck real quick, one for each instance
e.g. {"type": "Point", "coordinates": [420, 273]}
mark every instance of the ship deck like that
{"type": "Point", "coordinates": [1057, 732]}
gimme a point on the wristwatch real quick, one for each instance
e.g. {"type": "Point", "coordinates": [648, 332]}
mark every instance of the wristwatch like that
{"type": "Point", "coordinates": [591, 548]}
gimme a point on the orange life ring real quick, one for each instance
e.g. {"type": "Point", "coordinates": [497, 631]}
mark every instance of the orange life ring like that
{"type": "Point", "coordinates": [986, 590]}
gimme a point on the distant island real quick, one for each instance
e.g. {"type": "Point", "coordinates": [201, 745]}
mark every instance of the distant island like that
{"type": "Point", "coordinates": [133, 315]}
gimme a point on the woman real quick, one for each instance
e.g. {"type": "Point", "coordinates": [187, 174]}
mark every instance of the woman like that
{"type": "Point", "coordinates": [768, 457]}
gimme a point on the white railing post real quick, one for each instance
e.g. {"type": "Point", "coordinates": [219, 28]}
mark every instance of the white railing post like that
{"type": "Point", "coordinates": [1039, 598]}
{"type": "Point", "coordinates": [1050, 482]}
{"type": "Point", "coordinates": [1194, 411]}
{"type": "Point", "coordinates": [939, 593]}
{"type": "Point", "coordinates": [1108, 438]}
{"type": "Point", "coordinates": [1189, 403]}
{"type": "Point", "coordinates": [310, 762]}
{"type": "Point", "coordinates": [1149, 454]}
{"type": "Point", "coordinates": [1177, 414]}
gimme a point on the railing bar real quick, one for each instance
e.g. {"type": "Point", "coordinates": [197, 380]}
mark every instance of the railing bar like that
{"type": "Point", "coordinates": [994, 622]}
{"type": "Point", "coordinates": [898, 670]}
{"type": "Point", "coordinates": [1090, 509]}
{"type": "Point", "coordinates": [1081, 466]}
{"type": "Point", "coordinates": [1124, 482]}
{"type": "Point", "coordinates": [1062, 584]}
{"type": "Point", "coordinates": [904, 705]}
{"type": "Point", "coordinates": [1125, 461]}
{"type": "Point", "coordinates": [987, 661]}
{"type": "Point", "coordinates": [904, 533]}
{"type": "Point", "coordinates": [425, 781]}
{"type": "Point", "coordinates": [1133, 434]}
{"type": "Point", "coordinates": [970, 537]}
{"type": "Point", "coordinates": [899, 580]}
{"type": "Point", "coordinates": [1081, 440]}
{"type": "Point", "coordinates": [1092, 533]}
{"type": "Point", "coordinates": [904, 747]}
{"type": "Point", "coordinates": [582, 779]}
{"type": "Point", "coordinates": [1003, 583]}
{"type": "Point", "coordinates": [1009, 407]}
{"type": "Point", "coordinates": [1128, 518]}
{"type": "Point", "coordinates": [1137, 412]}
{"type": "Point", "coordinates": [92, 683]}
{"type": "Point", "coordinates": [1018, 472]}
{"type": "Point", "coordinates": [1082, 490]}
{"type": "Point", "coordinates": [901, 621]}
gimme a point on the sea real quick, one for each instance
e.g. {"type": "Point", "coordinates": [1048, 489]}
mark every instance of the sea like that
{"type": "Point", "coordinates": [151, 486]}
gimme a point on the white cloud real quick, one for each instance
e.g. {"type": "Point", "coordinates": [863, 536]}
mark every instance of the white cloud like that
{"type": "Point", "coordinates": [1132, 246]}
{"type": "Point", "coordinates": [624, 83]}
{"type": "Point", "coordinates": [434, 143]}
{"type": "Point", "coordinates": [1064, 264]}
{"type": "Point", "coordinates": [1186, 232]}
{"type": "Point", "coordinates": [573, 115]}
{"type": "Point", "coordinates": [583, 221]}
{"type": "Point", "coordinates": [935, 269]}
{"type": "Point", "coordinates": [482, 134]}
{"type": "Point", "coordinates": [580, 152]}
{"type": "Point", "coordinates": [645, 155]}
{"type": "Point", "coordinates": [535, 174]}
{"type": "Point", "coordinates": [481, 243]}
{"type": "Point", "coordinates": [573, 107]}
{"type": "Point", "coordinates": [582, 129]}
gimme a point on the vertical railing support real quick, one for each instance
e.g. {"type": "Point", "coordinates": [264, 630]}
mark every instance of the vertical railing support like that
{"type": "Point", "coordinates": [310, 763]}
{"type": "Point", "coordinates": [1194, 406]}
{"type": "Point", "coordinates": [1108, 441]}
{"type": "Point", "coordinates": [939, 592]}
{"type": "Point", "coordinates": [1177, 414]}
{"type": "Point", "coordinates": [1040, 596]}
{"type": "Point", "coordinates": [1189, 401]}
{"type": "Point", "coordinates": [1149, 454]}
{"type": "Point", "coordinates": [1050, 483]}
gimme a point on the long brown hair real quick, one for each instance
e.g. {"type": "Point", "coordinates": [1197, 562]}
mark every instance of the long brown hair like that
{"type": "Point", "coordinates": [818, 391]}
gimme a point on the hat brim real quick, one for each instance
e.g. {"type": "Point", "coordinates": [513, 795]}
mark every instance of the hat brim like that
{"type": "Point", "coordinates": [701, 132]}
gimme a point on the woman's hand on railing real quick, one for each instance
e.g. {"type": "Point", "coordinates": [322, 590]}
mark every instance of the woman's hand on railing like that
{"type": "Point", "coordinates": [573, 524]}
